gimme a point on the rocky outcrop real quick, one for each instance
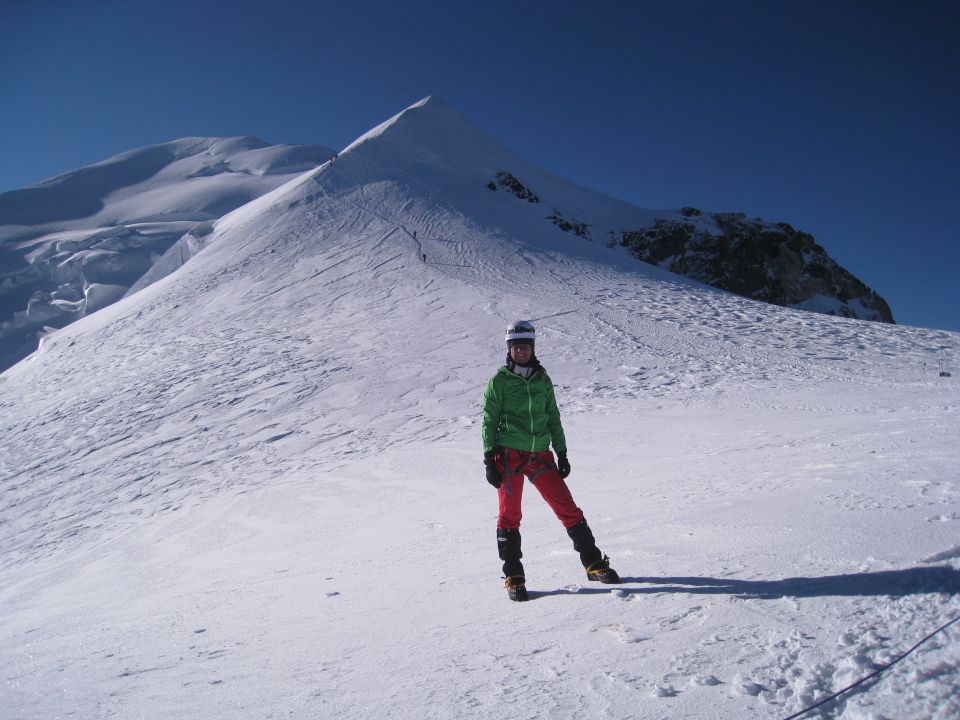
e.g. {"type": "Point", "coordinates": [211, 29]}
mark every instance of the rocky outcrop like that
{"type": "Point", "coordinates": [577, 228]}
{"type": "Point", "coordinates": [508, 182]}
{"type": "Point", "coordinates": [771, 262]}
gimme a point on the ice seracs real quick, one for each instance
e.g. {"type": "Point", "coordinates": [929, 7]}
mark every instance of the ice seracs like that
{"type": "Point", "coordinates": [75, 243]}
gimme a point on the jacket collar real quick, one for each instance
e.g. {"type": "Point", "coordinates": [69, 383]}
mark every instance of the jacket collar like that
{"type": "Point", "coordinates": [525, 371]}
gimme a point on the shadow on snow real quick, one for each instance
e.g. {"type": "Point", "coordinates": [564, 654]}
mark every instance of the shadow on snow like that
{"type": "Point", "coordinates": [896, 583]}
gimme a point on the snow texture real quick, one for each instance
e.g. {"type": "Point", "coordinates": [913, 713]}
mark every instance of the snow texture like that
{"type": "Point", "coordinates": [104, 226]}
{"type": "Point", "coordinates": [254, 488]}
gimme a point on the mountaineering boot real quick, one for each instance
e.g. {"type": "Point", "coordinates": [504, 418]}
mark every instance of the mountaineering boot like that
{"type": "Point", "coordinates": [584, 543]}
{"type": "Point", "coordinates": [508, 546]}
{"type": "Point", "coordinates": [595, 562]}
{"type": "Point", "coordinates": [516, 590]}
{"type": "Point", "coordinates": [602, 572]}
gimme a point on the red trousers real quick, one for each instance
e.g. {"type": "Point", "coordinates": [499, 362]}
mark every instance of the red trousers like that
{"type": "Point", "coordinates": [543, 473]}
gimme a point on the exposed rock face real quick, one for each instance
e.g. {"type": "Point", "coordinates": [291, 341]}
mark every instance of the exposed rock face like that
{"type": "Point", "coordinates": [510, 183]}
{"type": "Point", "coordinates": [578, 228]}
{"type": "Point", "coordinates": [771, 262]}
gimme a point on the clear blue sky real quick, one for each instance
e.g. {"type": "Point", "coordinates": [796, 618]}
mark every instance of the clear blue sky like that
{"type": "Point", "coordinates": [841, 118]}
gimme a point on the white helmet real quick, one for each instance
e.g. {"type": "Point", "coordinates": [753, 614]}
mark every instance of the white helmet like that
{"type": "Point", "coordinates": [520, 330]}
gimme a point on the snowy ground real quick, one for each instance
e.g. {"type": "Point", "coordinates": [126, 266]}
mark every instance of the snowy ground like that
{"type": "Point", "coordinates": [254, 490]}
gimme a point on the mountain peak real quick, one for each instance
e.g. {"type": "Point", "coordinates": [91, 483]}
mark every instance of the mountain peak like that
{"type": "Point", "coordinates": [431, 132]}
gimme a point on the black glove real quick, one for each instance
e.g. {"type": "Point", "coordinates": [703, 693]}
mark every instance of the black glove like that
{"type": "Point", "coordinates": [493, 473]}
{"type": "Point", "coordinates": [563, 465]}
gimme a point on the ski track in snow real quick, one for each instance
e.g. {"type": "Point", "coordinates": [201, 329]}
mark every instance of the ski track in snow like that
{"type": "Point", "coordinates": [253, 489]}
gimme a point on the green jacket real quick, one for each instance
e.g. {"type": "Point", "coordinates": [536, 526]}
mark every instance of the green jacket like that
{"type": "Point", "coordinates": [521, 413]}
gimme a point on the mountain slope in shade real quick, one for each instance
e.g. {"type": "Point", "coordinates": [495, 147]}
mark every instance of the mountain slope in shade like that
{"type": "Point", "coordinates": [77, 242]}
{"type": "Point", "coordinates": [255, 487]}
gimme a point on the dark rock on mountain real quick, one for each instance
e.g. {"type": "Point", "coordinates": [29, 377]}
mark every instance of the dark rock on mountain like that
{"type": "Point", "coordinates": [771, 262]}
{"type": "Point", "coordinates": [509, 182]}
{"type": "Point", "coordinates": [577, 228]}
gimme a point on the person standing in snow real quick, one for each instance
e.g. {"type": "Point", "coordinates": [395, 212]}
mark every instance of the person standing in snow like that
{"type": "Point", "coordinates": [520, 422]}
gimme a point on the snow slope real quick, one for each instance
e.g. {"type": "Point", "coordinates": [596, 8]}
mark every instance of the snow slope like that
{"type": "Point", "coordinates": [77, 242]}
{"type": "Point", "coordinates": [253, 489]}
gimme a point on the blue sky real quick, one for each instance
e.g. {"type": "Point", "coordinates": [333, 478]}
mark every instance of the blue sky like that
{"type": "Point", "coordinates": [839, 117]}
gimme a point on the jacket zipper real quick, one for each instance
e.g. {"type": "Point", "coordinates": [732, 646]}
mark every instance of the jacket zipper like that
{"type": "Point", "coordinates": [533, 438]}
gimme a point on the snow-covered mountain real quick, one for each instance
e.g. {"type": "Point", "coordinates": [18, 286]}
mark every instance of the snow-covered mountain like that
{"type": "Point", "coordinates": [78, 242]}
{"type": "Point", "coordinates": [254, 488]}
